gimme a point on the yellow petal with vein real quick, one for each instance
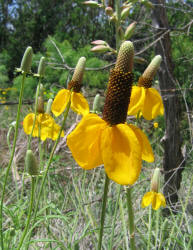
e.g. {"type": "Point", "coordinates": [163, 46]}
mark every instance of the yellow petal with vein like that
{"type": "Point", "coordinates": [153, 105]}
{"type": "Point", "coordinates": [60, 102]}
{"type": "Point", "coordinates": [121, 153]}
{"type": "Point", "coordinates": [79, 104]}
{"type": "Point", "coordinates": [147, 153]}
{"type": "Point", "coordinates": [136, 100]}
{"type": "Point", "coordinates": [84, 141]}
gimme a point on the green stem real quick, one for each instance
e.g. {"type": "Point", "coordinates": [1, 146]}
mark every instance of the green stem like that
{"type": "Point", "coordinates": [11, 158]}
{"type": "Point", "coordinates": [34, 121]}
{"type": "Point", "coordinates": [29, 213]}
{"type": "Point", "coordinates": [149, 229]}
{"type": "Point", "coordinates": [131, 220]}
{"type": "Point", "coordinates": [118, 24]}
{"type": "Point", "coordinates": [114, 217]}
{"type": "Point", "coordinates": [103, 212]}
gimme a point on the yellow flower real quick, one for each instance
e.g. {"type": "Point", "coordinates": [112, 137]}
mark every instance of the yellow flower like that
{"type": "Point", "coordinates": [120, 148]}
{"type": "Point", "coordinates": [156, 199]}
{"type": "Point", "coordinates": [155, 125]}
{"type": "Point", "coordinates": [147, 101]}
{"type": "Point", "coordinates": [45, 126]}
{"type": "Point", "coordinates": [78, 103]}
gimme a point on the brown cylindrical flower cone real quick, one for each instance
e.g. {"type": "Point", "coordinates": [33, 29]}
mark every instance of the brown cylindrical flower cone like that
{"type": "Point", "coordinates": [119, 86]}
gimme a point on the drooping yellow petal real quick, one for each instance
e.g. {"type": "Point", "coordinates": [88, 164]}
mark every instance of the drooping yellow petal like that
{"type": "Point", "coordinates": [147, 153]}
{"type": "Point", "coordinates": [79, 104]}
{"type": "Point", "coordinates": [28, 124]}
{"type": "Point", "coordinates": [153, 105]}
{"type": "Point", "coordinates": [136, 100]}
{"type": "Point", "coordinates": [121, 153]}
{"type": "Point", "coordinates": [60, 102]}
{"type": "Point", "coordinates": [49, 128]}
{"type": "Point", "coordinates": [84, 141]}
{"type": "Point", "coordinates": [158, 201]}
{"type": "Point", "coordinates": [147, 199]}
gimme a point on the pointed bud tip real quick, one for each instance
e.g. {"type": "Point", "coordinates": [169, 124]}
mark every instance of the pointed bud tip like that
{"type": "Point", "coordinates": [27, 60]}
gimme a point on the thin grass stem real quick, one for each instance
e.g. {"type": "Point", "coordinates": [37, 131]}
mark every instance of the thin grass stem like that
{"type": "Point", "coordinates": [131, 220]}
{"type": "Point", "coordinates": [103, 212]}
{"type": "Point", "coordinates": [29, 213]}
{"type": "Point", "coordinates": [115, 216]}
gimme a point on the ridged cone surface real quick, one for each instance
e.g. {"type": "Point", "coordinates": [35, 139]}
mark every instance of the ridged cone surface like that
{"type": "Point", "coordinates": [118, 96]}
{"type": "Point", "coordinates": [144, 82]}
{"type": "Point", "coordinates": [124, 61]}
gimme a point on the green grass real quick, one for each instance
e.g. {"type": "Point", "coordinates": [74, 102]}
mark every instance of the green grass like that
{"type": "Point", "coordinates": [69, 212]}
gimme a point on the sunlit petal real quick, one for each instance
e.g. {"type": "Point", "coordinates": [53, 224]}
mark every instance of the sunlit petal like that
{"type": "Point", "coordinates": [147, 199]}
{"type": "Point", "coordinates": [60, 102]}
{"type": "Point", "coordinates": [136, 100]}
{"type": "Point", "coordinates": [147, 153]}
{"type": "Point", "coordinates": [79, 104]}
{"type": "Point", "coordinates": [28, 124]}
{"type": "Point", "coordinates": [84, 142]}
{"type": "Point", "coordinates": [121, 153]}
{"type": "Point", "coordinates": [153, 105]}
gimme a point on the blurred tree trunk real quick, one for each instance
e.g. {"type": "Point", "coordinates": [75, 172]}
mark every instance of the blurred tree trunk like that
{"type": "Point", "coordinates": [173, 160]}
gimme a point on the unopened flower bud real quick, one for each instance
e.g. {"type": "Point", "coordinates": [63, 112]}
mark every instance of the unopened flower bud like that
{"type": "Point", "coordinates": [96, 103]}
{"type": "Point", "coordinates": [42, 66]}
{"type": "Point", "coordinates": [125, 12]}
{"type": "Point", "coordinates": [109, 11]}
{"type": "Point", "coordinates": [48, 107]}
{"type": "Point", "coordinates": [27, 60]}
{"type": "Point", "coordinates": [155, 180]}
{"type": "Point", "coordinates": [31, 163]}
{"type": "Point", "coordinates": [40, 105]}
{"type": "Point", "coordinates": [100, 48]}
{"type": "Point", "coordinates": [130, 30]}
{"type": "Point", "coordinates": [91, 3]}
{"type": "Point", "coordinates": [99, 42]}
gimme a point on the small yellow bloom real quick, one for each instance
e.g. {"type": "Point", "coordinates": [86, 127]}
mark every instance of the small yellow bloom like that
{"type": "Point", "coordinates": [155, 125]}
{"type": "Point", "coordinates": [4, 92]}
{"type": "Point", "coordinates": [45, 126]}
{"type": "Point", "coordinates": [120, 148]}
{"type": "Point", "coordinates": [156, 199]}
{"type": "Point", "coordinates": [78, 103]}
{"type": "Point", "coordinates": [146, 100]}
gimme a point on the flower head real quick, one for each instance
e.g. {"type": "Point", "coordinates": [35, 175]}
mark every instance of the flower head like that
{"type": "Point", "coordinates": [78, 102]}
{"type": "Point", "coordinates": [109, 140]}
{"type": "Point", "coordinates": [154, 197]}
{"type": "Point", "coordinates": [144, 98]}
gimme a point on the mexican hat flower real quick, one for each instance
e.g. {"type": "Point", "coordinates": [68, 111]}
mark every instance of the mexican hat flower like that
{"type": "Point", "coordinates": [110, 140]}
{"type": "Point", "coordinates": [45, 126]}
{"type": "Point", "coordinates": [154, 197]}
{"type": "Point", "coordinates": [78, 102]}
{"type": "Point", "coordinates": [146, 100]}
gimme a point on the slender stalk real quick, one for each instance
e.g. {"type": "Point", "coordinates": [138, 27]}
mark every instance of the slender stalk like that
{"type": "Point", "coordinates": [29, 213]}
{"type": "Point", "coordinates": [149, 229]}
{"type": "Point", "coordinates": [118, 24]}
{"type": "Point", "coordinates": [114, 217]}
{"type": "Point", "coordinates": [11, 158]}
{"type": "Point", "coordinates": [34, 121]}
{"type": "Point", "coordinates": [131, 220]}
{"type": "Point", "coordinates": [123, 222]}
{"type": "Point", "coordinates": [103, 212]}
